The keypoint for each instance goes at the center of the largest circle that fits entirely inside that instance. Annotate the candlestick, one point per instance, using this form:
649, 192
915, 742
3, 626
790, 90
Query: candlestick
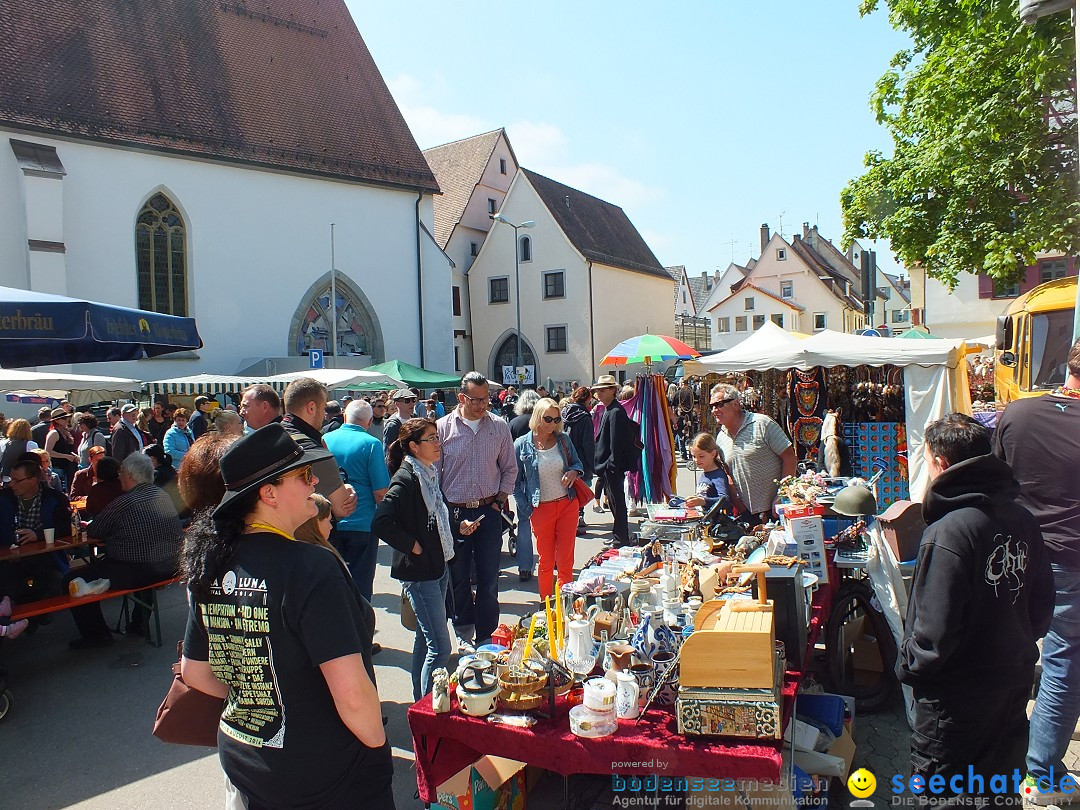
529, 638
550, 626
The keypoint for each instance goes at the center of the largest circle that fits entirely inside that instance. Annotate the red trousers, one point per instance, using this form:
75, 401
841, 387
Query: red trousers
554, 526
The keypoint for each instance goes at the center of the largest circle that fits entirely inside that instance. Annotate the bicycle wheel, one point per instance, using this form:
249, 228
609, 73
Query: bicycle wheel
848, 644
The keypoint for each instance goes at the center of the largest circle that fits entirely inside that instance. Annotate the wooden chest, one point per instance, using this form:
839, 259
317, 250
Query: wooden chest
730, 648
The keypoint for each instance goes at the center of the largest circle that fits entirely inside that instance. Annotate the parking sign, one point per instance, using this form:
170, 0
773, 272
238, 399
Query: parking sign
316, 358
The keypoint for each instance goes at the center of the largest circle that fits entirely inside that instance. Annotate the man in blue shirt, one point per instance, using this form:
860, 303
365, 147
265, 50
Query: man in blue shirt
360, 455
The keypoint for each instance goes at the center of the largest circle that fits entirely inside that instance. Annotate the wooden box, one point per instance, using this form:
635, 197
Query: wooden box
758, 720
732, 648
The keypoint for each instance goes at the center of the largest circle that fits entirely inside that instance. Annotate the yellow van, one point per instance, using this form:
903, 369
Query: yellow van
1033, 340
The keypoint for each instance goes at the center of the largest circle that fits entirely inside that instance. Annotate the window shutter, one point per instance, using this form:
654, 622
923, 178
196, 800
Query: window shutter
986, 286
1030, 280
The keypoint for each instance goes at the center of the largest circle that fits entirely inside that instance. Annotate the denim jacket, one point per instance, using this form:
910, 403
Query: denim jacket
527, 487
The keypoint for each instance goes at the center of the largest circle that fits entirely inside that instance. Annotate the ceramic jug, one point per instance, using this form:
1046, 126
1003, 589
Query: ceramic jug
645, 676
581, 649
626, 697
665, 662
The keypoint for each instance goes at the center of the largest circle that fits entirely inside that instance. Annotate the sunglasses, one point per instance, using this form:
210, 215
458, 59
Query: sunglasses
405, 399
305, 474
552, 419
721, 403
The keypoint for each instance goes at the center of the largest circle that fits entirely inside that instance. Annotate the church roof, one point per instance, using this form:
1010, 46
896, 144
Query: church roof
599, 230
458, 166
286, 84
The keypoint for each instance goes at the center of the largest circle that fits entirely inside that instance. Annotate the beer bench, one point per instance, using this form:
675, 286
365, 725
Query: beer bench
57, 603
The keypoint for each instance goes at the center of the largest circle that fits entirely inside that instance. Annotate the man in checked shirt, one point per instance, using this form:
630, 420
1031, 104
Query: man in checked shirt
477, 470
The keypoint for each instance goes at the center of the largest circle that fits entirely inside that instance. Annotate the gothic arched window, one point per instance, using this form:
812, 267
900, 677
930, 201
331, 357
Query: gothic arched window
161, 257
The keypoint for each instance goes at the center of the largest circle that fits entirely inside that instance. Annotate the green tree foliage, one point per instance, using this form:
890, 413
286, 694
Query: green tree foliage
981, 177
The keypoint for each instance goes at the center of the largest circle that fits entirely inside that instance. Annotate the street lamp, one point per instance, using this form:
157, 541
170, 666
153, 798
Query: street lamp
517, 280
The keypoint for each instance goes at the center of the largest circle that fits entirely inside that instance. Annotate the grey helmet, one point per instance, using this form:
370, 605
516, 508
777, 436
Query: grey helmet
855, 501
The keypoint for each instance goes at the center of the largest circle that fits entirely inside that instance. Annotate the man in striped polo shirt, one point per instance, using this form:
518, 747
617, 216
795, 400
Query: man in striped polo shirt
756, 449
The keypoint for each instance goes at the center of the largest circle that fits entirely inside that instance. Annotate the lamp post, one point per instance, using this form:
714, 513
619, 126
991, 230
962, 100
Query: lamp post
517, 282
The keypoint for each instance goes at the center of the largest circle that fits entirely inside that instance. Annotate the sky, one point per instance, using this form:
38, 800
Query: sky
701, 119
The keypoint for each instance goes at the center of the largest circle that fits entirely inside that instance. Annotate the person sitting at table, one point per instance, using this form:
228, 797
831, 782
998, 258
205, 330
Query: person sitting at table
713, 485
106, 489
86, 477
142, 534
17, 443
179, 438
49, 478
26, 509
165, 477
548, 464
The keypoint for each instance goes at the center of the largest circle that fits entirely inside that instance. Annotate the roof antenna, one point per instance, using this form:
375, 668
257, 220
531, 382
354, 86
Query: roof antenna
567, 200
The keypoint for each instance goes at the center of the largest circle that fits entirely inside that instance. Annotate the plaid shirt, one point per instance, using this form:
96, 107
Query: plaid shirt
474, 466
28, 514
141, 526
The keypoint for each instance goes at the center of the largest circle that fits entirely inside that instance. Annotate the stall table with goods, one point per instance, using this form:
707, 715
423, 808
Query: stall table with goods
681, 658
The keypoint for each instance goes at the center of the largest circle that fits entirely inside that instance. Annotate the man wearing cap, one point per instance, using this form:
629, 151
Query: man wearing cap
260, 405
477, 470
403, 401
756, 449
126, 438
615, 454
305, 409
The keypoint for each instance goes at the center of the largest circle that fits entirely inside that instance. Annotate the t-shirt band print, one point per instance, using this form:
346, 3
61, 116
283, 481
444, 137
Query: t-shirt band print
241, 653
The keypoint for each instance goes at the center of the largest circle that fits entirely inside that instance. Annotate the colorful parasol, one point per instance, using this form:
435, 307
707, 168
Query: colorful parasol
648, 349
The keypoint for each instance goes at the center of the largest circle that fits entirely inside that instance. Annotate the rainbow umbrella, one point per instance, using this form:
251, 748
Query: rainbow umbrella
648, 349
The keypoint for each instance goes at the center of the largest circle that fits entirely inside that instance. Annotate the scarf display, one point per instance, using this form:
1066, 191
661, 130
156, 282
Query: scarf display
438, 514
649, 407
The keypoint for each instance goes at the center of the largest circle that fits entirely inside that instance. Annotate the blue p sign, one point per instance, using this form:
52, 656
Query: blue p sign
316, 358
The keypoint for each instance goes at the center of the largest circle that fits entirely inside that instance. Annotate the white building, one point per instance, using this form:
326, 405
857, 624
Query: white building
587, 282
191, 159
474, 175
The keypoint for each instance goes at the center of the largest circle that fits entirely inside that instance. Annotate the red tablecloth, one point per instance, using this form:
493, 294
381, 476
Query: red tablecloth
446, 743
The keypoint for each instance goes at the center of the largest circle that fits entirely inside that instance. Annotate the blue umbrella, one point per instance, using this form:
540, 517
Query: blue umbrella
38, 329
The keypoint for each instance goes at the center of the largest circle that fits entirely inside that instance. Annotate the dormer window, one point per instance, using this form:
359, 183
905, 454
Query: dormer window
781, 254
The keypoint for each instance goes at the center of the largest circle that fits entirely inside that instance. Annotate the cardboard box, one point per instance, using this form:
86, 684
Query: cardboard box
490, 783
802, 735
816, 763
866, 654
844, 748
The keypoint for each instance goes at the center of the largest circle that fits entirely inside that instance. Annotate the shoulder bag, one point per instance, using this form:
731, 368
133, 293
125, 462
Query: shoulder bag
187, 716
582, 491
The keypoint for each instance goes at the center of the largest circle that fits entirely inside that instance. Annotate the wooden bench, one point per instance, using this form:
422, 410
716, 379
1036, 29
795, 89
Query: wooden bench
55, 604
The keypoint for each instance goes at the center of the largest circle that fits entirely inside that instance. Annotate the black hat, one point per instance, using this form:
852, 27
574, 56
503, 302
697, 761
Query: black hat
263, 456
156, 451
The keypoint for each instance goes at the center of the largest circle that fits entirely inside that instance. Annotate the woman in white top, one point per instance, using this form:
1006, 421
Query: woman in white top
548, 464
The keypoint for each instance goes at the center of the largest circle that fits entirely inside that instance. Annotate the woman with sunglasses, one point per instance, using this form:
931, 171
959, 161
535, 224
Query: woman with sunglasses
278, 629
413, 519
548, 464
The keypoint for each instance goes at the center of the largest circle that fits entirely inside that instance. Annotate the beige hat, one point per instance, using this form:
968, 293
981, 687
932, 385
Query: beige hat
605, 381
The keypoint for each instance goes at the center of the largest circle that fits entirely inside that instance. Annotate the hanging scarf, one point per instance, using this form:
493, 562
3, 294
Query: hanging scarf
438, 514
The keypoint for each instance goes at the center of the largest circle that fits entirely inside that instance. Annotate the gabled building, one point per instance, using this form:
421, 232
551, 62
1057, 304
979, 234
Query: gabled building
795, 284
690, 293
190, 157
474, 175
585, 280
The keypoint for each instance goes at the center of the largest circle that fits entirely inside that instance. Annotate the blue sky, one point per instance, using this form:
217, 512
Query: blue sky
701, 119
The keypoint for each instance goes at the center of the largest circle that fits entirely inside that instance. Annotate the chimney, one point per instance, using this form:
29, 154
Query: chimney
764, 236
705, 282
806, 231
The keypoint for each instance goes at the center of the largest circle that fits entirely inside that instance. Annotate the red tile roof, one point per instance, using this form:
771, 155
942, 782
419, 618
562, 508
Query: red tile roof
459, 167
286, 84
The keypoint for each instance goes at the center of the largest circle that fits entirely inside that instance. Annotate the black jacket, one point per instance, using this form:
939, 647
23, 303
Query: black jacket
401, 519
519, 425
617, 448
983, 592
578, 426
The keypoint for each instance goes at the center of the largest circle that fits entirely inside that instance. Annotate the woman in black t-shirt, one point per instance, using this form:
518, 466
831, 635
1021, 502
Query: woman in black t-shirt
278, 628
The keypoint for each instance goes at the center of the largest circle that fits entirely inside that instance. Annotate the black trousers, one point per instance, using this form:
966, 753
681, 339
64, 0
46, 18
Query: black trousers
615, 483
984, 729
122, 576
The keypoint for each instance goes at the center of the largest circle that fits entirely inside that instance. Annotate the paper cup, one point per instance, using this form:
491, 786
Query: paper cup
50, 536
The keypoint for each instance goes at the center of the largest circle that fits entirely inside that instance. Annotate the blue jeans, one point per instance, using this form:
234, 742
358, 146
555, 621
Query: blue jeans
480, 549
359, 550
524, 536
431, 646
1058, 704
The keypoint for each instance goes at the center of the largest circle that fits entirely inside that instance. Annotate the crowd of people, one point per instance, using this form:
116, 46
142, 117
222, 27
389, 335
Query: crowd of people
438, 483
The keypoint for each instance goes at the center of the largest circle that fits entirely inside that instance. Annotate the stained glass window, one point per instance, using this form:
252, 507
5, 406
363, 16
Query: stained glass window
161, 257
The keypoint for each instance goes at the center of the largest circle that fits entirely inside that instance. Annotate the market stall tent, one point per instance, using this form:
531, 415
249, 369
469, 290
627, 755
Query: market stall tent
79, 389
753, 353
935, 375
414, 376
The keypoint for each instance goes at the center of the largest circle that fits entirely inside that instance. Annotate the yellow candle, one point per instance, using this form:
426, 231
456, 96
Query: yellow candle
558, 617
550, 626
528, 640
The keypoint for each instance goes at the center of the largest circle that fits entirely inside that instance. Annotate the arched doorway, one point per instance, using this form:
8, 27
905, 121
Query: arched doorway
358, 330
503, 360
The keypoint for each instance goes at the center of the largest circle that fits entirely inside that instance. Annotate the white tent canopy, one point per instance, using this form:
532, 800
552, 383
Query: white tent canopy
202, 384
334, 378
935, 374
222, 383
79, 389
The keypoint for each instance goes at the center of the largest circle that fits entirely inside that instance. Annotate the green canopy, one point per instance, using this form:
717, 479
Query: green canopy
915, 333
412, 376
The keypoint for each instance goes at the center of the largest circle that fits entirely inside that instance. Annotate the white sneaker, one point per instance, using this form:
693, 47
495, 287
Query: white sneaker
1054, 798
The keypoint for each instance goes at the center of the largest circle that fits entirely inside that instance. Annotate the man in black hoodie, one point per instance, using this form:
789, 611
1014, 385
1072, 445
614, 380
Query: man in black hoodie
981, 597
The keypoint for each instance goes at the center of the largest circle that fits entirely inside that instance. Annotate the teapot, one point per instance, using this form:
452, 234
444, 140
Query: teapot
478, 689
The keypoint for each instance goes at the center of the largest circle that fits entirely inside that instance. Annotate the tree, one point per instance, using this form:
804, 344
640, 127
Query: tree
982, 113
